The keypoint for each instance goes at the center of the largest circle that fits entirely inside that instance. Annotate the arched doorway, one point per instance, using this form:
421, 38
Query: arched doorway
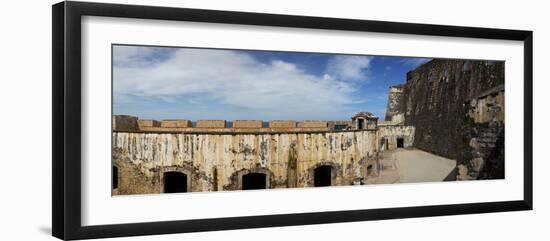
322, 176
115, 177
400, 142
175, 182
360, 124
253, 181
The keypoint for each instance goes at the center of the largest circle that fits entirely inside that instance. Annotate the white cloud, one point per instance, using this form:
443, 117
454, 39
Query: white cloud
138, 56
349, 68
236, 79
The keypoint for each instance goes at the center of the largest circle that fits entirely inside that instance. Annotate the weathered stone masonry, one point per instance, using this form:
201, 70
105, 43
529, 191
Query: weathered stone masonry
438, 99
486, 111
217, 159
201, 154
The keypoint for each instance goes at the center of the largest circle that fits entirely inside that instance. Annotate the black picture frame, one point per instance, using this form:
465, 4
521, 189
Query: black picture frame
66, 158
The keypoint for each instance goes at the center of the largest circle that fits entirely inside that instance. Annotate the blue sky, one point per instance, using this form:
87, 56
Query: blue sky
190, 83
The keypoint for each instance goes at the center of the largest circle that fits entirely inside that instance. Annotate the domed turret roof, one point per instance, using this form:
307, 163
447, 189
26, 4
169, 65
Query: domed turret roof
365, 114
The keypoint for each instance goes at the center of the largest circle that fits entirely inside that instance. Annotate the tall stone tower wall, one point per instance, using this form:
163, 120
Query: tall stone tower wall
395, 110
436, 101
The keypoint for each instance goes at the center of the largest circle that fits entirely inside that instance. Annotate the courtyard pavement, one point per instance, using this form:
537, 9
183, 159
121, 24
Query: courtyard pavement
413, 165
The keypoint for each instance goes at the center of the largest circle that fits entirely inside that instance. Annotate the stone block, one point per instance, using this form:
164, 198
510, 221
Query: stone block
125, 123
211, 124
247, 124
282, 124
313, 124
148, 123
176, 124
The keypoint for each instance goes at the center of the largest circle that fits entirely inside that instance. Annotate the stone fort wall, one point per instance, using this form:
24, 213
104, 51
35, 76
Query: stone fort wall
389, 136
457, 108
216, 161
435, 97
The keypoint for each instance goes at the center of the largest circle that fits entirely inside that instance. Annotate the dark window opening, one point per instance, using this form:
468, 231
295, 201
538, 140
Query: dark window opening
115, 177
400, 143
322, 176
252, 181
360, 123
175, 182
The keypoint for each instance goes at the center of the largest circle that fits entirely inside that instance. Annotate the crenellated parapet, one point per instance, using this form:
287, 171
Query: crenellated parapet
363, 121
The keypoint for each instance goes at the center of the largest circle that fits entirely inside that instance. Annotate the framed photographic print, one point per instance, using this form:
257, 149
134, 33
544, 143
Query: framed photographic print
169, 120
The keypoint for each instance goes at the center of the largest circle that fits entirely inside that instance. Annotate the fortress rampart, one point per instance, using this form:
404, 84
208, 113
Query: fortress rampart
286, 153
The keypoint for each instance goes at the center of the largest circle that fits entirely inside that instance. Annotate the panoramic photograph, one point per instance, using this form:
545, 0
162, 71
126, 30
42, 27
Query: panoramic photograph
207, 120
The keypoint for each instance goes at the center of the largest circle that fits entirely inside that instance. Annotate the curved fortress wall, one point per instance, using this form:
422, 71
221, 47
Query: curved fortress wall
217, 161
457, 108
435, 97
